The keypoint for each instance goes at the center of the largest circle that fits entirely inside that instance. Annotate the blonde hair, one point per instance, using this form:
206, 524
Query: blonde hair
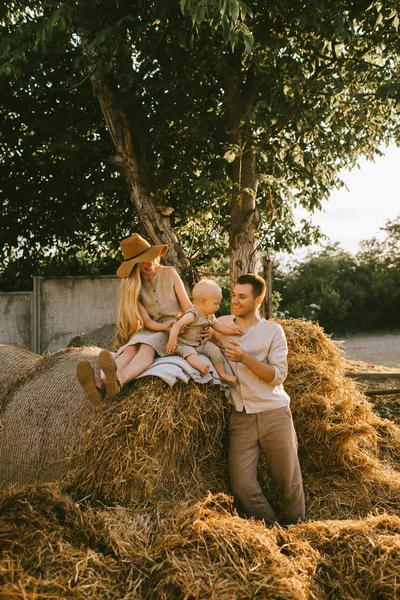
203, 288
129, 320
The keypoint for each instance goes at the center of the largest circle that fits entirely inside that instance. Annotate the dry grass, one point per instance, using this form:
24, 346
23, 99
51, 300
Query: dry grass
157, 442
153, 442
352, 559
51, 549
159, 450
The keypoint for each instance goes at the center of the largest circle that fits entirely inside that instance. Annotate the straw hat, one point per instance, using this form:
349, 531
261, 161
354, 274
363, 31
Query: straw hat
135, 250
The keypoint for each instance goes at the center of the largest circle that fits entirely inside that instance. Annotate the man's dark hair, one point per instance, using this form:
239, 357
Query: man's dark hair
257, 283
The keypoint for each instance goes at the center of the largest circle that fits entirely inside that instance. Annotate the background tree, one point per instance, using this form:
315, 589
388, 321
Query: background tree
345, 293
222, 116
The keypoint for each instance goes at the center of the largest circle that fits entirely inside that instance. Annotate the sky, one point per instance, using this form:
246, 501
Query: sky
373, 196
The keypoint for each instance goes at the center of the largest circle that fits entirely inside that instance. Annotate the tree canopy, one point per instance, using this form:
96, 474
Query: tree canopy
204, 121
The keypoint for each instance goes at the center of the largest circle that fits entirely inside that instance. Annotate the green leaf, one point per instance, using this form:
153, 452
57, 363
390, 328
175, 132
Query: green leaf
226, 29
248, 43
234, 10
199, 13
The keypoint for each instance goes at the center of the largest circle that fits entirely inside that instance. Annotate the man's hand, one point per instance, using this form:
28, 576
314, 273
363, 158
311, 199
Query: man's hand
204, 334
234, 351
170, 347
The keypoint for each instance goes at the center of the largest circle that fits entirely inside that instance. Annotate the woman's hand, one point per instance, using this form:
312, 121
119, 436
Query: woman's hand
168, 325
234, 351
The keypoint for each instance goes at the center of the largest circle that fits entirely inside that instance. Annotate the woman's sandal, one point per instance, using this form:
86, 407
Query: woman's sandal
85, 375
109, 368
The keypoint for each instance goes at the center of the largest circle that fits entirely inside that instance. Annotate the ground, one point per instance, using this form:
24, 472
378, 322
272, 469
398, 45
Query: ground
377, 349
380, 353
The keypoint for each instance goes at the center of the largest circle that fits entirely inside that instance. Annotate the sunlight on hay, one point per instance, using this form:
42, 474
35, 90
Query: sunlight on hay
152, 442
343, 445
352, 559
208, 551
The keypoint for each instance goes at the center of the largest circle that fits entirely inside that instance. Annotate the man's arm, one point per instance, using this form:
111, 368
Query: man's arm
275, 371
235, 353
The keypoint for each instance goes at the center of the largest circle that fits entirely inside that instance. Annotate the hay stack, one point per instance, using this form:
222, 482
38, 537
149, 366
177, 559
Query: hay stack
41, 416
357, 559
154, 442
15, 363
349, 456
51, 549
208, 551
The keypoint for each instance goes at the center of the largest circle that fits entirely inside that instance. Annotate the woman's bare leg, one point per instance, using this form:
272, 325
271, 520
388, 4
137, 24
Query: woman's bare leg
126, 356
139, 363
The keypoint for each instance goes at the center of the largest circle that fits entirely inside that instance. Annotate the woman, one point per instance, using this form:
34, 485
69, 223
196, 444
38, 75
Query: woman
148, 292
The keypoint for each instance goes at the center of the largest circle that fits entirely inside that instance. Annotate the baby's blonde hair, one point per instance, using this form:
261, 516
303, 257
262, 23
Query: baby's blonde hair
129, 320
203, 288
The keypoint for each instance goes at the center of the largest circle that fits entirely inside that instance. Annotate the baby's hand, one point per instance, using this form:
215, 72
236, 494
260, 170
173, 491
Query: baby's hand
170, 347
238, 331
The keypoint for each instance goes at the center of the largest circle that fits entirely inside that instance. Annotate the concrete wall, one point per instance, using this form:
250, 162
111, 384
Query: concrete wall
57, 310
70, 306
16, 322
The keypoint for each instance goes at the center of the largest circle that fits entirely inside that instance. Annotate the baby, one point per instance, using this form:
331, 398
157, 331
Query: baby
184, 336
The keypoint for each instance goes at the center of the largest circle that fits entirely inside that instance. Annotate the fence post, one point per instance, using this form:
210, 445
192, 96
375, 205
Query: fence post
267, 303
37, 306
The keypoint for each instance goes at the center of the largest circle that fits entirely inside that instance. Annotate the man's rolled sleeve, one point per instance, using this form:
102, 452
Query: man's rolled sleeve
277, 357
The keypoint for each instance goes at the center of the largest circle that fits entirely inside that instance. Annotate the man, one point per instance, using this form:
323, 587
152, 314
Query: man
260, 418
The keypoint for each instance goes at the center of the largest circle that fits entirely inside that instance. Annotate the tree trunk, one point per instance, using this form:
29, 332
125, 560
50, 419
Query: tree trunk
156, 225
245, 217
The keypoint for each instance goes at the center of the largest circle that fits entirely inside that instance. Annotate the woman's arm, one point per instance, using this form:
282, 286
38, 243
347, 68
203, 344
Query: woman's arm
148, 321
176, 329
180, 292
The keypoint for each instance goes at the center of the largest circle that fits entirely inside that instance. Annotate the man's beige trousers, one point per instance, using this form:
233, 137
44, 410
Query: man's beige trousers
271, 431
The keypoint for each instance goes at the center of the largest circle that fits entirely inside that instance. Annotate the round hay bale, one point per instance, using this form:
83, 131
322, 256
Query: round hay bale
101, 337
41, 417
15, 363
51, 549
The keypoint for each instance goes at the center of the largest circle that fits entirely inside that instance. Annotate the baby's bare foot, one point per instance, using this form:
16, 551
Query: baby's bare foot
228, 378
204, 369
